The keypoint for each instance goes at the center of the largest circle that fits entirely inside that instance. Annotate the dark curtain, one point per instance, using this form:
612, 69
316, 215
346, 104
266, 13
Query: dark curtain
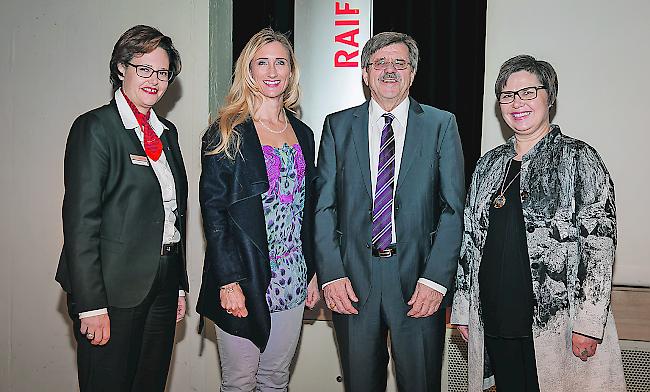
451, 38
251, 16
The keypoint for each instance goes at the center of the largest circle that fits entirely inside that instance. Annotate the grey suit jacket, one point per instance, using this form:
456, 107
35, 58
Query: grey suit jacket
428, 203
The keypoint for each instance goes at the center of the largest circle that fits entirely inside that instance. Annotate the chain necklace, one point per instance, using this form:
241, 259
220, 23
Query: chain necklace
500, 200
286, 124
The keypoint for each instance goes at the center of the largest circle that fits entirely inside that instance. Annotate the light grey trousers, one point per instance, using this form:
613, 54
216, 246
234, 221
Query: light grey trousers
245, 369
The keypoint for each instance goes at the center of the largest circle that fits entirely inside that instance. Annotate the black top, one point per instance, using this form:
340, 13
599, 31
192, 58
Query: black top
504, 277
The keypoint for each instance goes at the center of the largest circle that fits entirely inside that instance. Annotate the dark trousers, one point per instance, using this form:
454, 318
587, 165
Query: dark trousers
513, 363
137, 356
416, 344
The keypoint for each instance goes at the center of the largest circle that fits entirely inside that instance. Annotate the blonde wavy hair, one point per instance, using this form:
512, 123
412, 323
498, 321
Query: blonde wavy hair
244, 95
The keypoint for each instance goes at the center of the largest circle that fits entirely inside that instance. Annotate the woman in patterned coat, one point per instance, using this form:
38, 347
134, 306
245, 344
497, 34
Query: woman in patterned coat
534, 279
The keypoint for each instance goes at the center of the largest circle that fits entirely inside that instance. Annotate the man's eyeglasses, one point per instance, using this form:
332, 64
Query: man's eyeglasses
525, 94
382, 64
144, 71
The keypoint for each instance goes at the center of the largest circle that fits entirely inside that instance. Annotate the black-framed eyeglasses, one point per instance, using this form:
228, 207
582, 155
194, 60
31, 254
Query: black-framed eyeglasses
382, 64
145, 71
525, 94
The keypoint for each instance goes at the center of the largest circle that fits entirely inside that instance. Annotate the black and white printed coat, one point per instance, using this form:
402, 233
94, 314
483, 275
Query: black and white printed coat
567, 197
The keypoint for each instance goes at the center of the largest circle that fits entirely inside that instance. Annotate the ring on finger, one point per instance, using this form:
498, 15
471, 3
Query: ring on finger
90, 335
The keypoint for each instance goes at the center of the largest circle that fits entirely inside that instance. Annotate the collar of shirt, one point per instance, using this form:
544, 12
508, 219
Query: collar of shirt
375, 113
129, 120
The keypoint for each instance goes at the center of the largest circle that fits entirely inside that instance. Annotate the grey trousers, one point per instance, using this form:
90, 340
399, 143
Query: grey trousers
245, 369
415, 343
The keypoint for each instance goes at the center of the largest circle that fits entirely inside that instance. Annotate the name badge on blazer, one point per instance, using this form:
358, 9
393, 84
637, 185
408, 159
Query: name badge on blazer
139, 160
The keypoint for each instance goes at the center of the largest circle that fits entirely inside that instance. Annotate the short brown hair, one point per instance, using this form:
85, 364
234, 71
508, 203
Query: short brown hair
381, 40
541, 69
139, 40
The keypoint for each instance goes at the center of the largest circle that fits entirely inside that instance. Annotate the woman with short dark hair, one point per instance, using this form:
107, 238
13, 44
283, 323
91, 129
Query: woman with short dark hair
535, 275
123, 259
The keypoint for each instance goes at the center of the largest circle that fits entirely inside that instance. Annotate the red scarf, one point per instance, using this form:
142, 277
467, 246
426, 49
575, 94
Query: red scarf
152, 144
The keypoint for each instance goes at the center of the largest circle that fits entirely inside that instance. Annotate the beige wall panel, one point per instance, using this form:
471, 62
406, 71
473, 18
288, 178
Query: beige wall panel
54, 66
599, 50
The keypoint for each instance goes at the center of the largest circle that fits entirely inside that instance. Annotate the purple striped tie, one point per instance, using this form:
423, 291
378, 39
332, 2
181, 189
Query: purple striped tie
382, 225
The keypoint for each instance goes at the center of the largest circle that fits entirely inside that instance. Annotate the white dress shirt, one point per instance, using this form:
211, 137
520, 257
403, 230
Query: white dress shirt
375, 127
163, 173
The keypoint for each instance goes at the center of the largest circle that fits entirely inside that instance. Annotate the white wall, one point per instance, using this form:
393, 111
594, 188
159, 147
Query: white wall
54, 66
600, 50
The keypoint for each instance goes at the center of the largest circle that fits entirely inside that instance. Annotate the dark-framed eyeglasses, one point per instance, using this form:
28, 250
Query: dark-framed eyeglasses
145, 71
382, 64
525, 94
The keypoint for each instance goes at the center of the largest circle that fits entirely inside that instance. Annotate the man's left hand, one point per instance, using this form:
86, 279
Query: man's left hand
584, 346
180, 310
424, 302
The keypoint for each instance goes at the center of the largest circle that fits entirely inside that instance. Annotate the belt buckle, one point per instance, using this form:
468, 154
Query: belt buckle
385, 252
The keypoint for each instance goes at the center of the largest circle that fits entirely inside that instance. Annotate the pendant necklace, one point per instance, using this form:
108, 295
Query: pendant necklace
286, 124
500, 200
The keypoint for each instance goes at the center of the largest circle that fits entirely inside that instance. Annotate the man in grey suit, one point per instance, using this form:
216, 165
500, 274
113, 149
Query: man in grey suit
389, 224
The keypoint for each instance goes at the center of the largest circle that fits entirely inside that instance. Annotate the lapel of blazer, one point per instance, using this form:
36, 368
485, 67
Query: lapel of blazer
415, 131
136, 144
360, 137
175, 161
253, 179
250, 173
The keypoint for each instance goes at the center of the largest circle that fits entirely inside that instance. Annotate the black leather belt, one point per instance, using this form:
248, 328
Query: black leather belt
169, 249
388, 252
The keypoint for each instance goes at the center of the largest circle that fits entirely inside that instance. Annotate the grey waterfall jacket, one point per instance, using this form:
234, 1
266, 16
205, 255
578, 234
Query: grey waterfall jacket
567, 198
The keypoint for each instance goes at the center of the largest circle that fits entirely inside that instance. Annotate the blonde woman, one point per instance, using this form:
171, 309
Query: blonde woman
256, 195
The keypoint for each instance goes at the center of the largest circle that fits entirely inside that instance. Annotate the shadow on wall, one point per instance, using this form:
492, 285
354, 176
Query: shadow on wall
62, 308
168, 101
310, 317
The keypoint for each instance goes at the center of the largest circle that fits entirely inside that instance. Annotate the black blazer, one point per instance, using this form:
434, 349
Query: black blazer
235, 228
113, 213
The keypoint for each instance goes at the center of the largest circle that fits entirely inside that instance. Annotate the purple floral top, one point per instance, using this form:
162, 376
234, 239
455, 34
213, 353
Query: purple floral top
283, 206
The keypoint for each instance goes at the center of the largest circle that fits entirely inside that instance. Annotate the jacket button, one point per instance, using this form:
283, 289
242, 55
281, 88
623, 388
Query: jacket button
524, 195
534, 265
367, 245
530, 229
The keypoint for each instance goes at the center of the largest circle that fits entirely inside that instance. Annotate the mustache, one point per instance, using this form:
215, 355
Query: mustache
391, 76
